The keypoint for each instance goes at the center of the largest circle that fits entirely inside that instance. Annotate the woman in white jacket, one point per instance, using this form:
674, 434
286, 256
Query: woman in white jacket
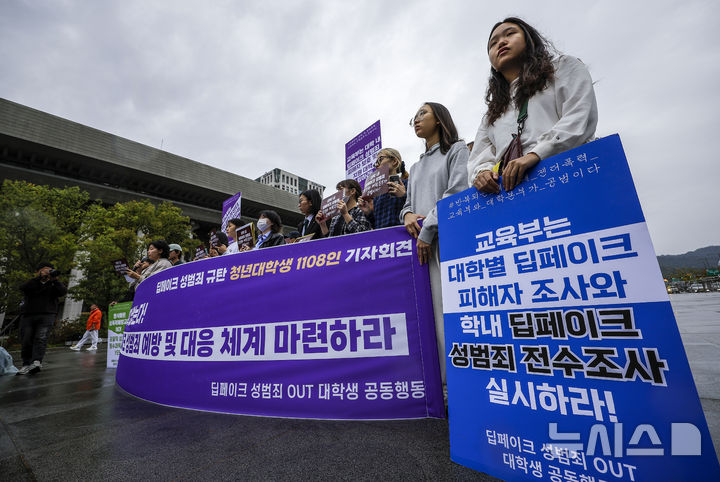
558, 97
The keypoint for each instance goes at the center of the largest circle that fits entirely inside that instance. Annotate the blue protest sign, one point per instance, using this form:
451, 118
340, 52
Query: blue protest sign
564, 360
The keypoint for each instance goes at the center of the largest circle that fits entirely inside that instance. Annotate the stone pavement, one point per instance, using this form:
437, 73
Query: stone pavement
70, 422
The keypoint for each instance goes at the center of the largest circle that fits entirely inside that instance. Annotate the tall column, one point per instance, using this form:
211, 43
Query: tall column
73, 307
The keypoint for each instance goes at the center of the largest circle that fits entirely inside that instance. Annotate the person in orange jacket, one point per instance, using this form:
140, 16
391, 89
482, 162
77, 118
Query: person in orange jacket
93, 325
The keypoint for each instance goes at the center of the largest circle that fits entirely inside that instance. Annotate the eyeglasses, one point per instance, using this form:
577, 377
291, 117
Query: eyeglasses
418, 116
380, 159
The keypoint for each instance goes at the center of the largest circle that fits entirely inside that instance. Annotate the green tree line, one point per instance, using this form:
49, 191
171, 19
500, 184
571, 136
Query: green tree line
67, 228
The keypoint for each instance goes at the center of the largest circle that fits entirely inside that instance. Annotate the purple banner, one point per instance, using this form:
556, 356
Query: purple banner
360, 153
338, 328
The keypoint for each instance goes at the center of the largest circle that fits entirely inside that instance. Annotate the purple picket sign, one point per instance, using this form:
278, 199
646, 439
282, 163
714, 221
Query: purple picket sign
339, 328
232, 208
360, 153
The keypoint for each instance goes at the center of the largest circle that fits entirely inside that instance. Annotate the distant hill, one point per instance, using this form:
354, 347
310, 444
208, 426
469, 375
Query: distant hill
699, 259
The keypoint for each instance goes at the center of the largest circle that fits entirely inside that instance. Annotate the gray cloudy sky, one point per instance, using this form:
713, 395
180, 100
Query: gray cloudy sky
248, 86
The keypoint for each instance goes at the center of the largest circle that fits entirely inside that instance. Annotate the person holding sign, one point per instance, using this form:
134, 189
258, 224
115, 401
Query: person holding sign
384, 210
232, 226
537, 105
440, 172
309, 204
351, 219
218, 245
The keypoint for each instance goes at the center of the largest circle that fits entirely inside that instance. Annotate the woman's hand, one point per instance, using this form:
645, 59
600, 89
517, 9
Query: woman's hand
411, 224
397, 189
514, 171
321, 219
244, 247
423, 251
343, 208
366, 206
132, 274
487, 181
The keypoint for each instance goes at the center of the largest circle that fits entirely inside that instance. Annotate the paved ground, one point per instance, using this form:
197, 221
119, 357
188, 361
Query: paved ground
71, 423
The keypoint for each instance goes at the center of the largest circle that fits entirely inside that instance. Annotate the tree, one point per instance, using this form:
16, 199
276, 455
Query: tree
123, 231
66, 228
37, 223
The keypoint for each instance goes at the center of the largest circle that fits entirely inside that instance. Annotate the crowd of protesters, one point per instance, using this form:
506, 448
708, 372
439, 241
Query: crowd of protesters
539, 103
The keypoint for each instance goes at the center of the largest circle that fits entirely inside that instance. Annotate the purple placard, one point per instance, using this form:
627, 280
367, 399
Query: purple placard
244, 235
329, 206
200, 252
360, 153
339, 328
377, 182
231, 209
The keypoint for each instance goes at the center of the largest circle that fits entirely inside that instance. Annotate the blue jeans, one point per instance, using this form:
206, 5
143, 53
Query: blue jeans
34, 331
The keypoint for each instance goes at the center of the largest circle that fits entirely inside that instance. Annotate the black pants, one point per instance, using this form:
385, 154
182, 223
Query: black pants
34, 331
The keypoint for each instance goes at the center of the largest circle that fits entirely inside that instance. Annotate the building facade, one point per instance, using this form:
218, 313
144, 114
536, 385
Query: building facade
289, 182
41, 148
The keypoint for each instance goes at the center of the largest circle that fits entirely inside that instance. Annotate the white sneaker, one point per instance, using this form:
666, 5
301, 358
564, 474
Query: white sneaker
75, 347
24, 370
92, 348
36, 366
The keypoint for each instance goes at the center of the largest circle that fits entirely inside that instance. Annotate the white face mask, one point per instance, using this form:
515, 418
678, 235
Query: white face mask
263, 224
346, 196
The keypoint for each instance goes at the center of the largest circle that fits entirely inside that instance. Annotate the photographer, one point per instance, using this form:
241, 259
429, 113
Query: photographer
40, 307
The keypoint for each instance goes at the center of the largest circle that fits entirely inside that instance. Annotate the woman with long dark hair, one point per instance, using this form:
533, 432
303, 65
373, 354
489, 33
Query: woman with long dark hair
547, 101
440, 172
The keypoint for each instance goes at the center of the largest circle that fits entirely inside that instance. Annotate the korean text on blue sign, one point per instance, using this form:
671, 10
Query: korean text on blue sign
564, 360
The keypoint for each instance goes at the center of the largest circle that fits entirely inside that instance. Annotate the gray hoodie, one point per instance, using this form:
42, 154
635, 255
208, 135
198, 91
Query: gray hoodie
433, 177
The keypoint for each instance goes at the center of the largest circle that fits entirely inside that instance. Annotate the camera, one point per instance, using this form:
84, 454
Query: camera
54, 273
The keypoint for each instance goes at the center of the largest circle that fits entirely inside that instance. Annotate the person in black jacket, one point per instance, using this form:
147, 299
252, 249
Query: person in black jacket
309, 204
40, 306
269, 226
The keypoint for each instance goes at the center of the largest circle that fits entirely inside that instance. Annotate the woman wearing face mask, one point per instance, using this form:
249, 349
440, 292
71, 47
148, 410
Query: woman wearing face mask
269, 226
384, 210
549, 102
309, 204
351, 219
440, 172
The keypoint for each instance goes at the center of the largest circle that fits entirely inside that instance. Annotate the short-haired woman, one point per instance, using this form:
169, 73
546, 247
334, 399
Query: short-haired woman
232, 226
269, 226
158, 251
